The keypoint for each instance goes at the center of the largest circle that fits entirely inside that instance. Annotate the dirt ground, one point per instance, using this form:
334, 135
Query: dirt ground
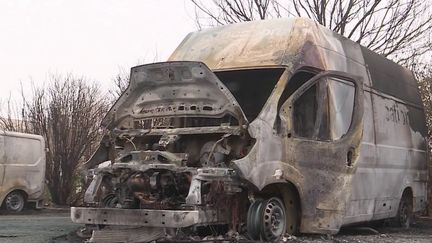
50, 225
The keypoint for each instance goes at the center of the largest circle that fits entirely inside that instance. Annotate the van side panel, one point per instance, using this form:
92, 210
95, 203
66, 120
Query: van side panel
23, 164
361, 205
401, 155
2, 158
393, 152
401, 131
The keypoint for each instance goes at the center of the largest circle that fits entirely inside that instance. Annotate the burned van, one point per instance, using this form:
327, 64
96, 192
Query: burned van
22, 170
260, 128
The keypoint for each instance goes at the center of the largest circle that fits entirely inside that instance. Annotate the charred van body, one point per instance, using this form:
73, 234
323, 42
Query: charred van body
260, 128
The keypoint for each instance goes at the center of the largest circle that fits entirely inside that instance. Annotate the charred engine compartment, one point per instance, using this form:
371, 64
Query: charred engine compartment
153, 189
172, 141
169, 171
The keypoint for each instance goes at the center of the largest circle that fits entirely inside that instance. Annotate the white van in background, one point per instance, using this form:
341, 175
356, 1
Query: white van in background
22, 169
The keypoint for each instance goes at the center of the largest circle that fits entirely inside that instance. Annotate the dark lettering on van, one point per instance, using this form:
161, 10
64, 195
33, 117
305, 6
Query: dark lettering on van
396, 115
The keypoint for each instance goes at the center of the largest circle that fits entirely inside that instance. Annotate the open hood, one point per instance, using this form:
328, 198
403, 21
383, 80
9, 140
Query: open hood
167, 89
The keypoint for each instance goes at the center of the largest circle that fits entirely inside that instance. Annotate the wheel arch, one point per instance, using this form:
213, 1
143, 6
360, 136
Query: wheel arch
408, 192
20, 190
291, 197
404, 213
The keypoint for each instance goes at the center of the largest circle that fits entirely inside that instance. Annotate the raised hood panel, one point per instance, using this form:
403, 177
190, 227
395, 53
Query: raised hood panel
173, 89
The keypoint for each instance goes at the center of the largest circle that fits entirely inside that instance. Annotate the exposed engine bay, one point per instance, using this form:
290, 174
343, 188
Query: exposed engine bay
170, 171
166, 160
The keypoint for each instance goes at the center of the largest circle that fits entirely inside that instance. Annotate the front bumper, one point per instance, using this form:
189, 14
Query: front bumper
147, 217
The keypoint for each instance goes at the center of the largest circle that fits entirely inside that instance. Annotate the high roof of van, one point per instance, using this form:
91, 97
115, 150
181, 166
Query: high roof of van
21, 135
294, 42
260, 43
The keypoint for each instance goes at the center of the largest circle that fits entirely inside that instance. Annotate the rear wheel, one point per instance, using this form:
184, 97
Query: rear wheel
405, 212
14, 202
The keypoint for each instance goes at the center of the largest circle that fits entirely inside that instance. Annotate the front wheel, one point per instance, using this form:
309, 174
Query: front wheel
267, 220
14, 202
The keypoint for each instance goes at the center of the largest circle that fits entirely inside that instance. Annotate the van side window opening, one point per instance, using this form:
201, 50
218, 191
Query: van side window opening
305, 112
337, 98
251, 87
297, 80
15, 147
341, 104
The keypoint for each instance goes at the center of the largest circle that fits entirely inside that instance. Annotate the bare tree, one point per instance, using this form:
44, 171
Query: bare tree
397, 29
12, 119
67, 114
423, 73
121, 82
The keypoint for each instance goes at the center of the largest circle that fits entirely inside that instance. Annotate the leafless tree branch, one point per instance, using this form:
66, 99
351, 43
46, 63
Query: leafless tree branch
67, 113
387, 27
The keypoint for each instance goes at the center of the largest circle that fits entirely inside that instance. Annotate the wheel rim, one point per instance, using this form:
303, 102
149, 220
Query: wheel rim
14, 202
266, 220
274, 220
404, 214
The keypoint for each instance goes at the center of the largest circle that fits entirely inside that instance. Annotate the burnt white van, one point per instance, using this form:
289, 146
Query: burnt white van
261, 128
22, 170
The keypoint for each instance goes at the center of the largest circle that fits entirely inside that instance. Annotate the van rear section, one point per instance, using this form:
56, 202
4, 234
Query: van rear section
22, 169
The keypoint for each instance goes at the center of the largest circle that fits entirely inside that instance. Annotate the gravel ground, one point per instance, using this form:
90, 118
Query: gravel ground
35, 226
50, 225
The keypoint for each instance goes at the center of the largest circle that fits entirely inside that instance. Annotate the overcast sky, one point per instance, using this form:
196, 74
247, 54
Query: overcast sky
91, 38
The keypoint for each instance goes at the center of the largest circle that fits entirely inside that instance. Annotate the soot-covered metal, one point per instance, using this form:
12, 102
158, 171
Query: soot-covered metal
252, 131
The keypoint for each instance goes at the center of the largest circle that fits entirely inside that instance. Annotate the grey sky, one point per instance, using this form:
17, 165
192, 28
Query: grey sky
92, 38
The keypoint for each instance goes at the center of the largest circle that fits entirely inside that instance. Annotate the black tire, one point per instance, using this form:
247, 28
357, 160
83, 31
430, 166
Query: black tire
15, 202
405, 212
253, 219
267, 220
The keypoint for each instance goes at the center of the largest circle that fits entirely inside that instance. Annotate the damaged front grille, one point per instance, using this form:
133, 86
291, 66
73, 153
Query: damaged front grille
181, 122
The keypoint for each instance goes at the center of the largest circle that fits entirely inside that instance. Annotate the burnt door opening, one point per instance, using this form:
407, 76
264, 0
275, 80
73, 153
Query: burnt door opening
324, 111
323, 122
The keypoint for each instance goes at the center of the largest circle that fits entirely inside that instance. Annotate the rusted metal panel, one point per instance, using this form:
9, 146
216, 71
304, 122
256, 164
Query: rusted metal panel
149, 218
168, 89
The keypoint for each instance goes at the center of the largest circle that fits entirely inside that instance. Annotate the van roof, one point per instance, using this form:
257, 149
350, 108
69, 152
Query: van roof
260, 43
21, 135
289, 41
391, 78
